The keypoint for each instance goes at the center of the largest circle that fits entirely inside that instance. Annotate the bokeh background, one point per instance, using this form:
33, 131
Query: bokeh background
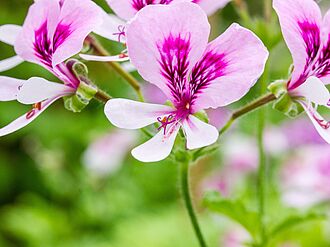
68, 179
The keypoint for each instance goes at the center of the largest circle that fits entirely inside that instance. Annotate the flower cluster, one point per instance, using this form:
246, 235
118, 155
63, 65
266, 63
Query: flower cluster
167, 41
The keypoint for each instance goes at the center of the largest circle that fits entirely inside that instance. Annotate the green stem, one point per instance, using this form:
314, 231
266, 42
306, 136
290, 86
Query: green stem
184, 173
262, 176
102, 96
263, 100
101, 51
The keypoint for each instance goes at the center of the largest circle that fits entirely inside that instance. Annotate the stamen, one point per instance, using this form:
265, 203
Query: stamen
323, 123
36, 107
121, 32
165, 122
123, 55
328, 104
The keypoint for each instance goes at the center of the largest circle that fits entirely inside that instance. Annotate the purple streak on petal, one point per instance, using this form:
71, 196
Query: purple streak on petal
45, 46
210, 67
322, 67
140, 4
310, 32
174, 63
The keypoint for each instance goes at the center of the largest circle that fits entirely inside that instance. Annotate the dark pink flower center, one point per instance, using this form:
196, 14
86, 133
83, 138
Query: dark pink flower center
140, 4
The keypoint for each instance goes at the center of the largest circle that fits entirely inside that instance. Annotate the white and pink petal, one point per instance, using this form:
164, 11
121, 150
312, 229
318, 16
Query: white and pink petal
9, 33
230, 66
10, 63
164, 42
9, 88
129, 114
198, 133
37, 89
157, 148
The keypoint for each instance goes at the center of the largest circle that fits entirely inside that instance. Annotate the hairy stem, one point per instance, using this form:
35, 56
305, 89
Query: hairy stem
184, 174
102, 96
263, 100
101, 51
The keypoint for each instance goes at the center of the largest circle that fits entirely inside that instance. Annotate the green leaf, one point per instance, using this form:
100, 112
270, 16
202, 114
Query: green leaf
234, 210
294, 220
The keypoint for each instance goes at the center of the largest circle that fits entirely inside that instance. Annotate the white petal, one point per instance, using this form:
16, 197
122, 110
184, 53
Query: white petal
37, 90
198, 133
157, 148
323, 132
111, 27
9, 88
314, 90
23, 120
10, 63
117, 58
9, 33
129, 114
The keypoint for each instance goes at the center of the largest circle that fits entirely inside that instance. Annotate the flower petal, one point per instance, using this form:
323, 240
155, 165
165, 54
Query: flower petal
314, 90
37, 90
54, 31
211, 6
112, 28
10, 63
9, 88
123, 8
300, 22
198, 133
321, 125
165, 41
157, 148
24, 120
129, 114
9, 33
118, 58
230, 66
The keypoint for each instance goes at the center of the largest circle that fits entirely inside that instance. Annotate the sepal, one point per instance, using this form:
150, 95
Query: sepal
288, 106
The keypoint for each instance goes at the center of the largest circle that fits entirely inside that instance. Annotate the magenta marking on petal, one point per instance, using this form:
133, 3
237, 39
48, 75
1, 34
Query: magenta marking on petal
328, 104
310, 33
322, 67
209, 68
121, 32
174, 51
323, 123
140, 4
165, 121
45, 46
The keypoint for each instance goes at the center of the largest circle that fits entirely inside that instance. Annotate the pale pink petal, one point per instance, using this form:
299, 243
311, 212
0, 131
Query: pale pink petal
322, 126
27, 118
118, 58
78, 18
9, 88
54, 31
198, 133
9, 33
314, 90
112, 28
123, 8
41, 20
323, 64
300, 22
38, 89
165, 41
157, 148
10, 63
230, 66
211, 6
129, 114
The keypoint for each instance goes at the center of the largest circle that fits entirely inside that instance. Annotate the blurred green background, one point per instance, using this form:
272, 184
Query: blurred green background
49, 198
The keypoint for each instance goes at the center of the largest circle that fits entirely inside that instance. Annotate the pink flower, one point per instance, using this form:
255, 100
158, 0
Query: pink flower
168, 44
305, 177
114, 28
107, 153
308, 38
53, 31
